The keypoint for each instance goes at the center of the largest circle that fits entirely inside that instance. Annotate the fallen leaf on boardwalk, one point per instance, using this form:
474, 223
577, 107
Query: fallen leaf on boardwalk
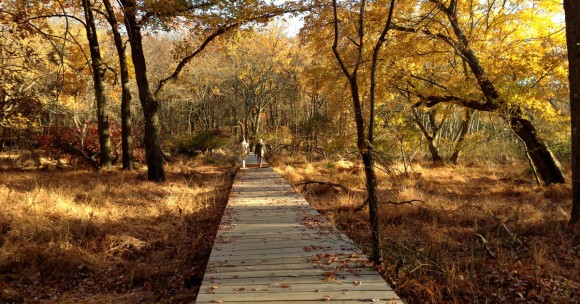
213, 288
327, 298
356, 283
330, 278
217, 301
284, 285
260, 289
375, 300
240, 289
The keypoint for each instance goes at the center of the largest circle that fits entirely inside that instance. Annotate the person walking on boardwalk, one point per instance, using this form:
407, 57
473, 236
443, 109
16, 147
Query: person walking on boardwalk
244, 151
260, 151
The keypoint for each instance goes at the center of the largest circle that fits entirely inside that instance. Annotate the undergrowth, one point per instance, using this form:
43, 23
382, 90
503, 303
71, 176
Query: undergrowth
468, 234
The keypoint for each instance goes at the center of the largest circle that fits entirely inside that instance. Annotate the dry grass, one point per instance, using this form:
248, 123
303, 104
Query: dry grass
432, 250
109, 237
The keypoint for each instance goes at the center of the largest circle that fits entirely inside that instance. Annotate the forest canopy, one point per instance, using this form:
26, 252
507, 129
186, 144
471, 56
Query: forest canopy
95, 81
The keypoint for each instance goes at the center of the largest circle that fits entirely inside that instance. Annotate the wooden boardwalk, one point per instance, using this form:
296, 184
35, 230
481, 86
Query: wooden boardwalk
272, 247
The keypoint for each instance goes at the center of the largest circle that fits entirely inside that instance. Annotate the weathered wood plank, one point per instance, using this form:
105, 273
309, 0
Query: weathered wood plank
320, 282
284, 286
289, 266
314, 301
272, 247
367, 295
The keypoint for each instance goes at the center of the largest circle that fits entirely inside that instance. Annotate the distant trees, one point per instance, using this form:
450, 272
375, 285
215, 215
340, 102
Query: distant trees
224, 19
454, 30
261, 74
20, 103
443, 60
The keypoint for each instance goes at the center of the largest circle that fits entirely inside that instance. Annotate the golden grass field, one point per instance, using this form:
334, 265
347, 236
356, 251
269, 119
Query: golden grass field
434, 250
70, 236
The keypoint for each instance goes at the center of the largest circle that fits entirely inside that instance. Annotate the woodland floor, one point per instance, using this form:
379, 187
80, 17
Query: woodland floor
481, 233
69, 236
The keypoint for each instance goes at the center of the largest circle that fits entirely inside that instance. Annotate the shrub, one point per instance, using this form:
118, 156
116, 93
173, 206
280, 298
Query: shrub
78, 144
204, 141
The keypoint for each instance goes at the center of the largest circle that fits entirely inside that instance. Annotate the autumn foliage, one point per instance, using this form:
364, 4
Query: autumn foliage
462, 89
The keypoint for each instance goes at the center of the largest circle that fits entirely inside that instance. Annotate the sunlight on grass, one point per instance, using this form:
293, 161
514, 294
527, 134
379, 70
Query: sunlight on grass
82, 224
431, 247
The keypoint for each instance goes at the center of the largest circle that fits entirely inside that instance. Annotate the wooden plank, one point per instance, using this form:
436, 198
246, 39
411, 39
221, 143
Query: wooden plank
313, 301
272, 247
320, 260
273, 267
367, 295
261, 245
283, 286
284, 273
290, 253
319, 281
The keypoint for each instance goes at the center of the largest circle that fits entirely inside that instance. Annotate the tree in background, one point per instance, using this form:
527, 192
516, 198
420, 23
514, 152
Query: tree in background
452, 28
572, 9
98, 71
261, 73
127, 139
20, 74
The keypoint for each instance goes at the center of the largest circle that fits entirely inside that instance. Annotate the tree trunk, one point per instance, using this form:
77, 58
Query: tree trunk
153, 154
571, 8
454, 159
542, 159
430, 136
2, 141
126, 137
366, 153
371, 185
257, 119
99, 86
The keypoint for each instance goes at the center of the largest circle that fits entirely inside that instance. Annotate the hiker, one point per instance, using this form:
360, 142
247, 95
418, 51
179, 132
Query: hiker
244, 151
260, 151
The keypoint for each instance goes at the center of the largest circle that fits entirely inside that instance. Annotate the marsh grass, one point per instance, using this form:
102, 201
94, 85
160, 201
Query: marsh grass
431, 249
70, 236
